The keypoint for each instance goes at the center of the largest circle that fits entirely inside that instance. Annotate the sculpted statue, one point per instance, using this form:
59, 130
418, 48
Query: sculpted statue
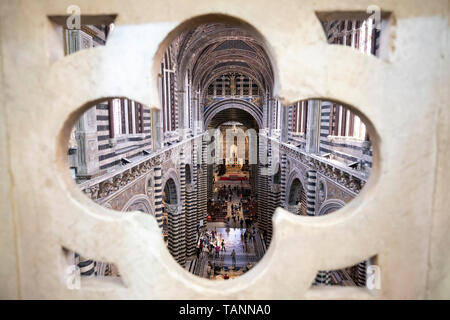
105, 189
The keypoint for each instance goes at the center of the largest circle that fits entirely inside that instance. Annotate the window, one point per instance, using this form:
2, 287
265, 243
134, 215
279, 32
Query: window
127, 117
345, 123
299, 117
234, 84
358, 34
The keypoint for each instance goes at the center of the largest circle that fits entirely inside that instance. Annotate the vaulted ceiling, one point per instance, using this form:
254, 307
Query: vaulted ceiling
213, 49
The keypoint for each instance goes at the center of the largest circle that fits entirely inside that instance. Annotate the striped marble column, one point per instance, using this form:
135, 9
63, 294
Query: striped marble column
323, 278
87, 267
181, 227
158, 195
290, 120
273, 203
283, 168
195, 180
202, 189
262, 190
311, 192
176, 237
273, 193
259, 183
361, 274
191, 219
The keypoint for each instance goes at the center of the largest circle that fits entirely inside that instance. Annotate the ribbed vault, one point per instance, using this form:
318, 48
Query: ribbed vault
214, 46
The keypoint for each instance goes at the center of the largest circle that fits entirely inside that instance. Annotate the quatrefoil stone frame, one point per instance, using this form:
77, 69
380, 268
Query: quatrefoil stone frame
386, 219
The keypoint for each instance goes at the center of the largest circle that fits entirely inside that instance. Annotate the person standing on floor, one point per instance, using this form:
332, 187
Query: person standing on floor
233, 258
217, 251
223, 245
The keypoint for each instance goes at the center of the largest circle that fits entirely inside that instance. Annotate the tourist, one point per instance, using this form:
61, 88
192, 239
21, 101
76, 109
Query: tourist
223, 245
217, 251
233, 258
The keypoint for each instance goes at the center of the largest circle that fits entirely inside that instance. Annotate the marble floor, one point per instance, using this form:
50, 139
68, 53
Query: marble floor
247, 253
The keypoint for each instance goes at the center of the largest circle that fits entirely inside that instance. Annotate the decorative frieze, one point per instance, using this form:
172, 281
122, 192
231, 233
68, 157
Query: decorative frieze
349, 179
106, 185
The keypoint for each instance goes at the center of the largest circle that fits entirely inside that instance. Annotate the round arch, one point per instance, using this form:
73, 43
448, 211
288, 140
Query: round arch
138, 202
170, 195
295, 174
297, 197
221, 105
171, 177
330, 206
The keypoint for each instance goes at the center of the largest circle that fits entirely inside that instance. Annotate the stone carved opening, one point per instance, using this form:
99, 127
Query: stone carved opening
82, 272
173, 117
371, 32
219, 69
67, 37
110, 156
365, 274
330, 151
110, 143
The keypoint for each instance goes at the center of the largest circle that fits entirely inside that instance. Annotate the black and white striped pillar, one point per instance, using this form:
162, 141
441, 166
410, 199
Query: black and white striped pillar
311, 192
158, 195
260, 185
202, 190
87, 267
323, 278
263, 181
176, 236
283, 168
361, 274
178, 228
191, 204
191, 220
